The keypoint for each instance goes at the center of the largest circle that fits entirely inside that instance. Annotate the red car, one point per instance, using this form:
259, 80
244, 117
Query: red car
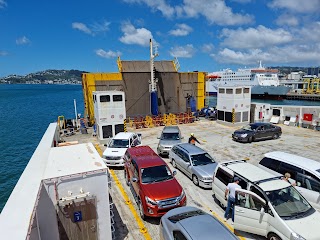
152, 183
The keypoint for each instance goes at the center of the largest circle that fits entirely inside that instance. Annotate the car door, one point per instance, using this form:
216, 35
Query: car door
186, 164
249, 214
261, 133
222, 178
177, 157
309, 187
135, 175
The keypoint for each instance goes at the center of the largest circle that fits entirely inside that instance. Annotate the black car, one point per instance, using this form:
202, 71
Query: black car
257, 131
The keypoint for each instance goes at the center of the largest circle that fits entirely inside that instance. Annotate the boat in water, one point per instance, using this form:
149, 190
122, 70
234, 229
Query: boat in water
264, 82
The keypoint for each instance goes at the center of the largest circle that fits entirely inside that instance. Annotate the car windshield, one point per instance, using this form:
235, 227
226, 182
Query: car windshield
155, 174
119, 143
170, 136
249, 127
288, 202
201, 159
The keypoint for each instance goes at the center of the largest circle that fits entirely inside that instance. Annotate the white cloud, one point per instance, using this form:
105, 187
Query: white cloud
93, 29
3, 3
159, 5
132, 35
182, 51
296, 5
207, 48
107, 54
181, 30
254, 37
3, 53
286, 19
23, 41
215, 11
82, 27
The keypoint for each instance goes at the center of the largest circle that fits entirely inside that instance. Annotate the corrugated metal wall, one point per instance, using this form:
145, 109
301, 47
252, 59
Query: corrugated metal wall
173, 88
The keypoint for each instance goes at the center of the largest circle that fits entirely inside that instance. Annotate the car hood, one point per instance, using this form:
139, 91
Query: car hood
206, 170
162, 190
308, 227
114, 152
169, 143
242, 131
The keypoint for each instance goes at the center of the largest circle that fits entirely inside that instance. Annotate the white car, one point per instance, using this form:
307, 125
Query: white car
116, 148
266, 205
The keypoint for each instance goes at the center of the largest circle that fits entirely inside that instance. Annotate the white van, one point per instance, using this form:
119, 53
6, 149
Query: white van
118, 145
267, 205
305, 172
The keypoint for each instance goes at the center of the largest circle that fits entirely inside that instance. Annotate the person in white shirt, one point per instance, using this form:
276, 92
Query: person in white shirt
231, 191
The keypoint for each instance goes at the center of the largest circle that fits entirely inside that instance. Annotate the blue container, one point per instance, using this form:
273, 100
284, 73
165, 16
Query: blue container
154, 103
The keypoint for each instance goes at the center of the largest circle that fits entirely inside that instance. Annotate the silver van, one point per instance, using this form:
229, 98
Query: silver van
304, 172
170, 136
266, 205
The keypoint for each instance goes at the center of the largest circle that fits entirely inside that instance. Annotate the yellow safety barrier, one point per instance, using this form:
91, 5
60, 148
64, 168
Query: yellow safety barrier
125, 125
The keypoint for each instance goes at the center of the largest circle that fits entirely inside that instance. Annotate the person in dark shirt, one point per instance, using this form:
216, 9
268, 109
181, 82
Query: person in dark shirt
193, 139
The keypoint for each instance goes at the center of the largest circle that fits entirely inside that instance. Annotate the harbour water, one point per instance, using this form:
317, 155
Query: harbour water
27, 110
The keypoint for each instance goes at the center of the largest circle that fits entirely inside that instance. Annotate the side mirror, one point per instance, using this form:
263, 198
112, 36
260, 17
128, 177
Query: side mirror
134, 179
262, 211
174, 173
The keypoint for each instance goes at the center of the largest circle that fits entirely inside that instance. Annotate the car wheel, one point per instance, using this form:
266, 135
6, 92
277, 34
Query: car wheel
250, 139
275, 136
173, 162
273, 236
141, 210
195, 180
126, 177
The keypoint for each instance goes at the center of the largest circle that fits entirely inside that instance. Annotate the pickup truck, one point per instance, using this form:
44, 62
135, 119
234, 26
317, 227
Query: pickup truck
152, 183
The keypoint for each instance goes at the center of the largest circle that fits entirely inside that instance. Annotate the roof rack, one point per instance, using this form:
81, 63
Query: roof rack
267, 179
233, 162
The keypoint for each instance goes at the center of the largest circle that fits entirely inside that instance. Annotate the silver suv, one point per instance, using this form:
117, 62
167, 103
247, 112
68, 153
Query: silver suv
192, 223
170, 136
195, 162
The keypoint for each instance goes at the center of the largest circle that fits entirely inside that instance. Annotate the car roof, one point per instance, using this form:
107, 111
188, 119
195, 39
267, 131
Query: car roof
141, 151
295, 160
170, 129
123, 135
190, 148
274, 184
248, 171
198, 224
149, 161
260, 124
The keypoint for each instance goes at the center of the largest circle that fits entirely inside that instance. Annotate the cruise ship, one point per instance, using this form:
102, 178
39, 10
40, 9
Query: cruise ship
264, 82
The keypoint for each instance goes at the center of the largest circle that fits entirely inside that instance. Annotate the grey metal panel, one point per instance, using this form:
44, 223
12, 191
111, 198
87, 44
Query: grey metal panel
144, 66
173, 88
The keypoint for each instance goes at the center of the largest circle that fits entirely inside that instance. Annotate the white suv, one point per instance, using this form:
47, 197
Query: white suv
116, 148
304, 172
266, 205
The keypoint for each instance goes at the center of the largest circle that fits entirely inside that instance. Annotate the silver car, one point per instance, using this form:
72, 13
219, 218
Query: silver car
195, 162
192, 223
170, 136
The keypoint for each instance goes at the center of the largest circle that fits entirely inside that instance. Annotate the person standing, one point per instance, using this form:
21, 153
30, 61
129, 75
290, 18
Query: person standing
230, 196
193, 139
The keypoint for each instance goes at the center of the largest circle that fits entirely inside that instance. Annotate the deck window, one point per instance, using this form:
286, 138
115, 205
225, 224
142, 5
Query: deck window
238, 90
246, 90
229, 91
117, 98
105, 98
222, 90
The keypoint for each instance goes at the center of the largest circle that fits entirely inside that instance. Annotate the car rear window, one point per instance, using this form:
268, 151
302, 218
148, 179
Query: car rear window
181, 216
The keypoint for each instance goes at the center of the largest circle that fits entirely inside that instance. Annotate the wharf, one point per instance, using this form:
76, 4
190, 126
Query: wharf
303, 96
216, 139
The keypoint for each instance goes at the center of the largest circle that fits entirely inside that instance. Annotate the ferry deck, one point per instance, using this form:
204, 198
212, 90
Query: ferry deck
216, 139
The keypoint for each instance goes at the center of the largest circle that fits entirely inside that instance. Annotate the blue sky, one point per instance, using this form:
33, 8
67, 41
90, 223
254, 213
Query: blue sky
205, 35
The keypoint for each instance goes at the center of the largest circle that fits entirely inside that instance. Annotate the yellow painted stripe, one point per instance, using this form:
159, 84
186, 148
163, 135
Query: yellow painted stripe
141, 226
